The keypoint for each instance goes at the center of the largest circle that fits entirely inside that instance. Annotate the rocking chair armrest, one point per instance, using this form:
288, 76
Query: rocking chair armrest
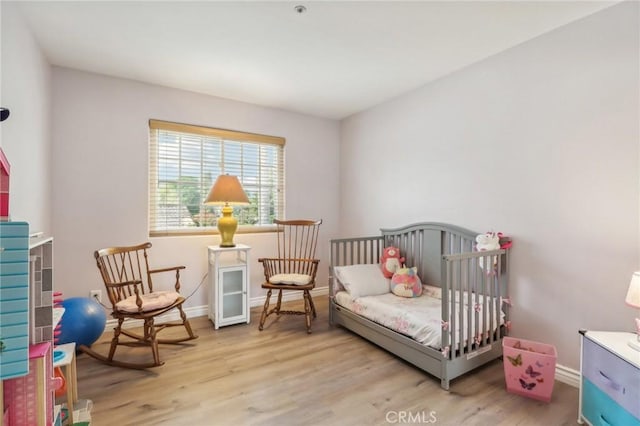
174, 268
114, 288
123, 284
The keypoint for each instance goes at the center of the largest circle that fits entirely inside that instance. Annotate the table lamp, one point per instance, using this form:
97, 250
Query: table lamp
227, 191
633, 300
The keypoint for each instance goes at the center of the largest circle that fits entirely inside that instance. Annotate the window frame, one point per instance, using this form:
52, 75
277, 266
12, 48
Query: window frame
223, 135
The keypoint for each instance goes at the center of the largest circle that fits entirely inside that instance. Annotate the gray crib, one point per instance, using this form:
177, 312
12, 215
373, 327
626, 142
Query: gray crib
445, 257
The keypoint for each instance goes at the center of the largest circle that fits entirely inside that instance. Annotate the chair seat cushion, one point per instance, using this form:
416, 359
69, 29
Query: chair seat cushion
291, 279
150, 301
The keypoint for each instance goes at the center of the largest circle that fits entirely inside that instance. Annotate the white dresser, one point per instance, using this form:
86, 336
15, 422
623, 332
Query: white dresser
610, 379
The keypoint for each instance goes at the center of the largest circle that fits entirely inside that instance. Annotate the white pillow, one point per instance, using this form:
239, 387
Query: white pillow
362, 280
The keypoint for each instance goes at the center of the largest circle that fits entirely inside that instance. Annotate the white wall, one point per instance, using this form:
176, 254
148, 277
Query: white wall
100, 160
540, 142
25, 136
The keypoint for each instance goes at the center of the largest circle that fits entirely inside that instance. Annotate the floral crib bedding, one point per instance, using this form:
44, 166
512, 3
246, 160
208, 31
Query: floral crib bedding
420, 318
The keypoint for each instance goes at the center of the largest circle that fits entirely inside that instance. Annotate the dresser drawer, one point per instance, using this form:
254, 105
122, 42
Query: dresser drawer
600, 410
614, 376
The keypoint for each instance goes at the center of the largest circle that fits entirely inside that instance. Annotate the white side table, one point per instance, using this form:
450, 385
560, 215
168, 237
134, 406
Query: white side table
229, 285
68, 362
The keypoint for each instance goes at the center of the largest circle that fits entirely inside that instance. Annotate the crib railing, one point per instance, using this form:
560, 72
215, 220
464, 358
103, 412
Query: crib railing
473, 293
353, 251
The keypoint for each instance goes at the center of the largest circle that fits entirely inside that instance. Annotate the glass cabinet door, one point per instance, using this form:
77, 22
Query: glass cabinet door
232, 292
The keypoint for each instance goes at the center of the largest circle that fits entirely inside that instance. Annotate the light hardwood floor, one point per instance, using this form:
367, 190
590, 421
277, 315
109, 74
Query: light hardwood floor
237, 375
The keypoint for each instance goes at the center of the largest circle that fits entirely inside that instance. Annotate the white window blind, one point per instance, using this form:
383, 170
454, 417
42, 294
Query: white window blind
185, 160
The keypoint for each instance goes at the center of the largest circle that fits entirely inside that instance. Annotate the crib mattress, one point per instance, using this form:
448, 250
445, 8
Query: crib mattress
419, 318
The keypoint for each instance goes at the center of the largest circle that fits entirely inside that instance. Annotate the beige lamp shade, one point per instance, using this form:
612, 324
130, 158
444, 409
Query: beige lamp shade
633, 294
226, 190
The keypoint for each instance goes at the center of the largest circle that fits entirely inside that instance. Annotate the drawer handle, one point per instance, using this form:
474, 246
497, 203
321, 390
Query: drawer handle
613, 385
604, 420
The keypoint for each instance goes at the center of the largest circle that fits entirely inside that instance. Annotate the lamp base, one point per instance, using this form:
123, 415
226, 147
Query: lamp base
227, 226
635, 343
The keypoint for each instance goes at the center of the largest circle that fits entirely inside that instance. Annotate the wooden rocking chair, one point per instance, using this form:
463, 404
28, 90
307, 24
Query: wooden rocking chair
295, 267
127, 278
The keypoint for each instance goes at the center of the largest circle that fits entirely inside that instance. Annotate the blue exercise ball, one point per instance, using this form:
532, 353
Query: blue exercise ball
83, 321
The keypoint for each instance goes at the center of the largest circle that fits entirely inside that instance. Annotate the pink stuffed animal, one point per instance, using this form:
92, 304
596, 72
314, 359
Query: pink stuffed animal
390, 261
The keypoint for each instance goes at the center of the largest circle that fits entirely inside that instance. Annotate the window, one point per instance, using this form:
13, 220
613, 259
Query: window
185, 160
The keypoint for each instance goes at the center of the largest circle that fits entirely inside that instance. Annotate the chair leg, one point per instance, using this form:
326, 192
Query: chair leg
150, 335
186, 323
279, 304
313, 307
114, 340
307, 310
263, 317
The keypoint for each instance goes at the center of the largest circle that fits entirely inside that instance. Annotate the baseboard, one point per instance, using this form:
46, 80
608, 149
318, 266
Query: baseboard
203, 310
568, 376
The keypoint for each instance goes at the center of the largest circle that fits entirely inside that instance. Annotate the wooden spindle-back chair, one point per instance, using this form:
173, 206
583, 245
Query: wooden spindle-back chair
294, 268
130, 288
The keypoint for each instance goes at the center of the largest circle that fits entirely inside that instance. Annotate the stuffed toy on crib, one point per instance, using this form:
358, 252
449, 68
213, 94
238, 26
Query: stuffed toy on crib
390, 261
487, 242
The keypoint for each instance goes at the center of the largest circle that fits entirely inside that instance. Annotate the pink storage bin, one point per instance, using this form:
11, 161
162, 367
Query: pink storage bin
529, 368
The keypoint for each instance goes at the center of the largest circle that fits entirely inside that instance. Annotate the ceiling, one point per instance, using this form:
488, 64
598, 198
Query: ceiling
334, 60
